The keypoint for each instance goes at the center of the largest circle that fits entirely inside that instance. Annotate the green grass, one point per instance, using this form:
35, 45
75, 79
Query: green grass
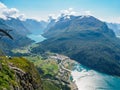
7, 76
48, 69
26, 66
20, 51
20, 63
48, 85
47, 66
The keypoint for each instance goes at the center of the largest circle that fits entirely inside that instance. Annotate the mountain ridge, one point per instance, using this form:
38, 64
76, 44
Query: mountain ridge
76, 23
17, 31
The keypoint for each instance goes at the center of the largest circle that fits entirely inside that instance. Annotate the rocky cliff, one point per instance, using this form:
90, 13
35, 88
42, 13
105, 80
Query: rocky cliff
16, 73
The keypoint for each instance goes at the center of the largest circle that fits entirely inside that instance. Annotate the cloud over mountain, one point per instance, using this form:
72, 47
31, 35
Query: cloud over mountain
6, 12
69, 11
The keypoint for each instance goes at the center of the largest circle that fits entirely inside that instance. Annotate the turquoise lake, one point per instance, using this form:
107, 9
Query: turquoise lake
87, 79
36, 38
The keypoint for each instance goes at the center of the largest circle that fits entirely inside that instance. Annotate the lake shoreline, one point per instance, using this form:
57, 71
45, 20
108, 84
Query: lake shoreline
65, 68
88, 79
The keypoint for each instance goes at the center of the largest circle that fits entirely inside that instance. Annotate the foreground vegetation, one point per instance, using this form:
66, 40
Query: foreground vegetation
18, 73
7, 76
45, 67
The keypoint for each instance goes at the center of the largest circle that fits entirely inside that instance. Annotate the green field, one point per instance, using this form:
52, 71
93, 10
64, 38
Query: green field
45, 67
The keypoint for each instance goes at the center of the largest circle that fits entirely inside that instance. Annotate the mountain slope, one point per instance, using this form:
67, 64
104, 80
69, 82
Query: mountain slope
16, 25
18, 73
76, 24
35, 27
86, 40
18, 33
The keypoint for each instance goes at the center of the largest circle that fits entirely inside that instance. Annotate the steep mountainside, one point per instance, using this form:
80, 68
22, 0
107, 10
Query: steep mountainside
75, 24
35, 27
86, 40
18, 74
18, 33
16, 25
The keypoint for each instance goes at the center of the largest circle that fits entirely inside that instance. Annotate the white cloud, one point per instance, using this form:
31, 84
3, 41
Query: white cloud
111, 19
2, 6
118, 20
69, 11
114, 19
53, 16
22, 17
87, 12
6, 12
10, 12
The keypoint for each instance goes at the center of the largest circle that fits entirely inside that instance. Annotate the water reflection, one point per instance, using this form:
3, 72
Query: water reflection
87, 79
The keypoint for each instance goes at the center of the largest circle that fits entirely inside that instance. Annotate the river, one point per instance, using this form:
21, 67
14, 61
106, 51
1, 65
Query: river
87, 79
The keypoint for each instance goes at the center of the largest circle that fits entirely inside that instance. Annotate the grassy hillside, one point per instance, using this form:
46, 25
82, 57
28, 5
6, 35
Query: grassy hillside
45, 67
18, 73
7, 76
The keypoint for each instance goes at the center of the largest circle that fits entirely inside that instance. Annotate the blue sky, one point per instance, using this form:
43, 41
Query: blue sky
107, 10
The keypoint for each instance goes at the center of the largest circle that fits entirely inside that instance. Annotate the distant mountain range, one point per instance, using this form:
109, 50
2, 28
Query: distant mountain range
19, 31
14, 24
35, 27
84, 39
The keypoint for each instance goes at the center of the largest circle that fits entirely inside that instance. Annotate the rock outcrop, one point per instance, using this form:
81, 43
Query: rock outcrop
18, 74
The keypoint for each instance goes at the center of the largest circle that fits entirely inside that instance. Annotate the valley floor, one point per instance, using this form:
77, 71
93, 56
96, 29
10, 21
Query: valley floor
55, 68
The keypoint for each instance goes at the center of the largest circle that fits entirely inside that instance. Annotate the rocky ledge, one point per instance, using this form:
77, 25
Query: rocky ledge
19, 74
